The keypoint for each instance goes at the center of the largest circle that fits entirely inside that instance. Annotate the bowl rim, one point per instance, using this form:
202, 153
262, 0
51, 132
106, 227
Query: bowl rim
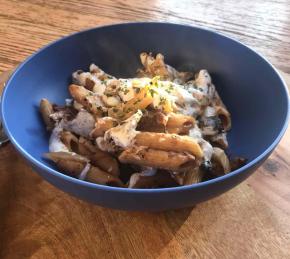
64, 177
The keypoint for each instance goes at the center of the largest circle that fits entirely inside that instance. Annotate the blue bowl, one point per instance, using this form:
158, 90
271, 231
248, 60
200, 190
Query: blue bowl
250, 86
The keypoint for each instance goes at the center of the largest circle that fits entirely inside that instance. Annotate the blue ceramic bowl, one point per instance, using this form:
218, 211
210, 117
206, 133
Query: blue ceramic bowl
250, 86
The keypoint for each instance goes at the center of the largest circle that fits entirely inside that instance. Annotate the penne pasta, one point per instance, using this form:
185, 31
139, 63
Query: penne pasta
105, 161
163, 128
97, 175
86, 147
88, 99
69, 140
73, 165
169, 142
46, 110
144, 156
179, 123
99, 73
70, 163
99, 158
158, 179
102, 125
157, 67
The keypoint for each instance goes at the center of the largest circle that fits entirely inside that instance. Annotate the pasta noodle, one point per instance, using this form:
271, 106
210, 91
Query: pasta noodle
145, 156
179, 123
74, 164
169, 142
102, 125
167, 127
46, 110
145, 180
91, 102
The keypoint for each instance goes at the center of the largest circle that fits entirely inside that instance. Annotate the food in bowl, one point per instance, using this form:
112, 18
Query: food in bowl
164, 128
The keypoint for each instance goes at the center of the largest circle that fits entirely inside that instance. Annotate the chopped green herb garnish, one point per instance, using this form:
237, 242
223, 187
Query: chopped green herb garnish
152, 92
162, 100
137, 101
125, 90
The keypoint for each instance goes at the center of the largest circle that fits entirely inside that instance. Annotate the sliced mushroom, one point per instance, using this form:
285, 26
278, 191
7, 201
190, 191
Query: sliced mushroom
224, 117
220, 162
149, 180
63, 112
237, 162
153, 121
193, 175
69, 140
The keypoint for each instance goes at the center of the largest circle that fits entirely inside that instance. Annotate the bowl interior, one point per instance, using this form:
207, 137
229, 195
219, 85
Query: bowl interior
248, 85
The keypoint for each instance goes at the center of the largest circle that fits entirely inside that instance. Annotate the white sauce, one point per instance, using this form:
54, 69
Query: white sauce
183, 96
99, 88
209, 112
68, 102
82, 125
110, 101
123, 135
77, 105
126, 91
205, 146
84, 172
186, 99
203, 79
55, 144
150, 171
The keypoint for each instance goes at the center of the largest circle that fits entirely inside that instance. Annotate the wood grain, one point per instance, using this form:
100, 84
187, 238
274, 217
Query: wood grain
28, 25
39, 221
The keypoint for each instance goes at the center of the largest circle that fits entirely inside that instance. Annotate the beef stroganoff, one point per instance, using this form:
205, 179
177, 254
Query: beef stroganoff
163, 128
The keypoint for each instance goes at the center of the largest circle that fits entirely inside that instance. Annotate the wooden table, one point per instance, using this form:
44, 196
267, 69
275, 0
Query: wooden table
250, 221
